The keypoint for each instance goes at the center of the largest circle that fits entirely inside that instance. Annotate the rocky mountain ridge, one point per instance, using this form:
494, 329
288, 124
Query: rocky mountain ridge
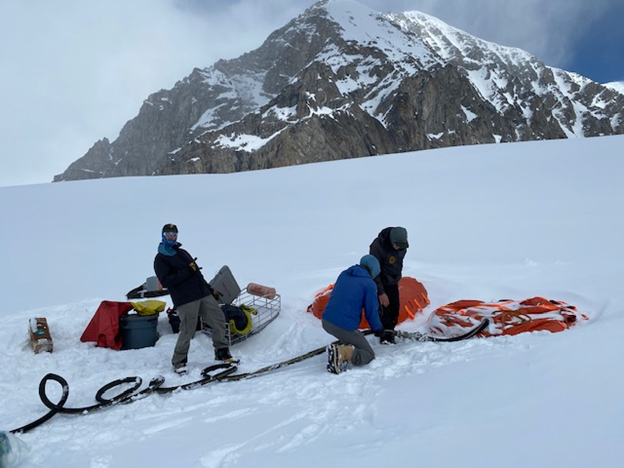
343, 81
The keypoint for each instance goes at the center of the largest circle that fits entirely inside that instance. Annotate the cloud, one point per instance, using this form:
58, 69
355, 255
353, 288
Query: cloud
77, 71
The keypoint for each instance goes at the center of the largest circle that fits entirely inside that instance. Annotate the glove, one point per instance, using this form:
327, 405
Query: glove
216, 294
383, 300
193, 266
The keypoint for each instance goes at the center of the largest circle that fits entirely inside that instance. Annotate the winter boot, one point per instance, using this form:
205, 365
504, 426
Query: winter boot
339, 357
223, 354
387, 337
181, 369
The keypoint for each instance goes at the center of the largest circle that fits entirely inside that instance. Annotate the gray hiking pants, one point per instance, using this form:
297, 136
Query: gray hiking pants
208, 309
363, 353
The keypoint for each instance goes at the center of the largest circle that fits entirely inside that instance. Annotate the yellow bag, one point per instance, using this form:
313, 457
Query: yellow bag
149, 307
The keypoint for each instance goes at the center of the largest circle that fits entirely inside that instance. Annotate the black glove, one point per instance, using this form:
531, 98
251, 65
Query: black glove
216, 294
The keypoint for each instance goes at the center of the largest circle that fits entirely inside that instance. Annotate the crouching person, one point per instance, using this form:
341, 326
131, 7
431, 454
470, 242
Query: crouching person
354, 290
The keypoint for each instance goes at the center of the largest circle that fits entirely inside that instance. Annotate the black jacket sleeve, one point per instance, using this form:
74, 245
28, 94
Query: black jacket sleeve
377, 251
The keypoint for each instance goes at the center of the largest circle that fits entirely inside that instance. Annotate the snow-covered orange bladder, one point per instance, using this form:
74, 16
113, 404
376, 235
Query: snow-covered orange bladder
507, 317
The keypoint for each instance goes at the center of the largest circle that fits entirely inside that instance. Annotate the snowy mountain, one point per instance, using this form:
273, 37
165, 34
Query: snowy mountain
343, 81
616, 85
488, 222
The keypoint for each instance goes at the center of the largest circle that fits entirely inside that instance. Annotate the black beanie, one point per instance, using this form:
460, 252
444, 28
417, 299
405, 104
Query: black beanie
170, 228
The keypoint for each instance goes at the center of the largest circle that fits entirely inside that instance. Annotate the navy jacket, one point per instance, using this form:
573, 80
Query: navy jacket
174, 273
354, 290
390, 260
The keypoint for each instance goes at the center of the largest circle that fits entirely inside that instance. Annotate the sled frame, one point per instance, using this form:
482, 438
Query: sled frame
267, 310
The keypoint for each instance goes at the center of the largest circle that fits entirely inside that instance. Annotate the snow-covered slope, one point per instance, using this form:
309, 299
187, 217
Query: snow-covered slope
486, 222
616, 85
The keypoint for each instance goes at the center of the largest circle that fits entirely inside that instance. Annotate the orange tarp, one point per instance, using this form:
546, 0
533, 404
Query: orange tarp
413, 296
507, 317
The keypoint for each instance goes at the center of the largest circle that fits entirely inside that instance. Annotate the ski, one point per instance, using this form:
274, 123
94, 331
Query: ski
272, 367
417, 336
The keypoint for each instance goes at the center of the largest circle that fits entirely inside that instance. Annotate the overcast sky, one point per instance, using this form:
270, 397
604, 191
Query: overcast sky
75, 71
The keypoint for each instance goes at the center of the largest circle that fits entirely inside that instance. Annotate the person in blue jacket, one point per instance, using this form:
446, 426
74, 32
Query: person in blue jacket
355, 289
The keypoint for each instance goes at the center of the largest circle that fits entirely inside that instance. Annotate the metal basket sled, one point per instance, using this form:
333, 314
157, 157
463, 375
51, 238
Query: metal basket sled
266, 310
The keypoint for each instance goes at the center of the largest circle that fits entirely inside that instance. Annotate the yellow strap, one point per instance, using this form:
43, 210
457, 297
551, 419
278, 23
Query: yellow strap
246, 308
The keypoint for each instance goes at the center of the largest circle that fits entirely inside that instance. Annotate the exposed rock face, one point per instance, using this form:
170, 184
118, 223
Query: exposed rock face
342, 81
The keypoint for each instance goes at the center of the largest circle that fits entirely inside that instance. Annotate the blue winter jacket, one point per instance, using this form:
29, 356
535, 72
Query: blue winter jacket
354, 290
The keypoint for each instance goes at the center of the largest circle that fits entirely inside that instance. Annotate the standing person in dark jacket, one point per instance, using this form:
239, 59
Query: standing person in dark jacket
192, 297
354, 290
389, 248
